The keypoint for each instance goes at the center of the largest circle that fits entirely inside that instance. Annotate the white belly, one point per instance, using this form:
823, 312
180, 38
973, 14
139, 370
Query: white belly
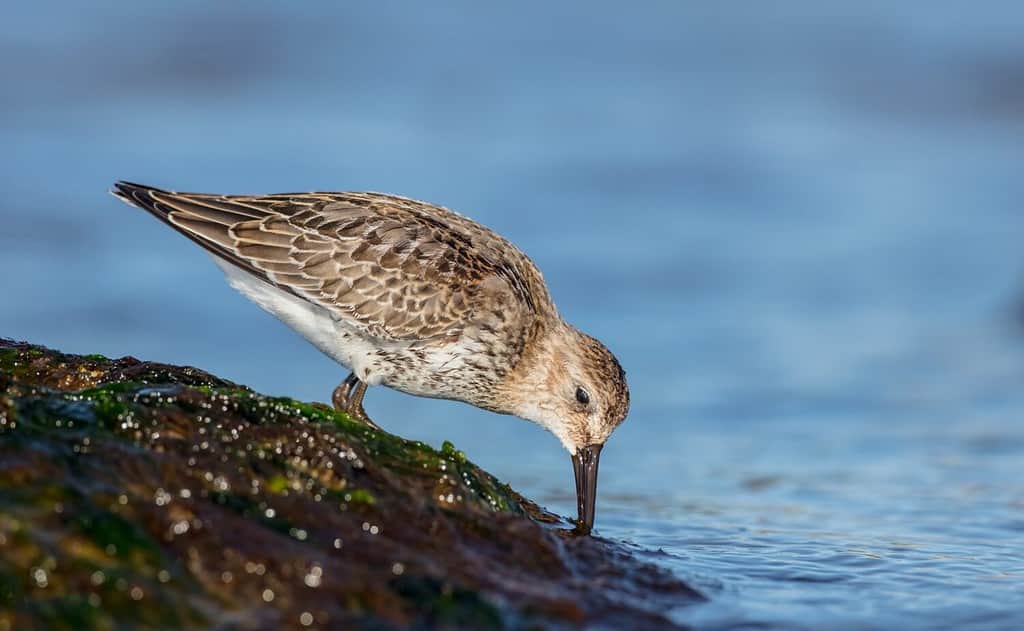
338, 340
400, 365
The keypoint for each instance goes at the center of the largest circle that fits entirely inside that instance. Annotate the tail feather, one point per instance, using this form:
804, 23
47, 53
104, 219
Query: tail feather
204, 219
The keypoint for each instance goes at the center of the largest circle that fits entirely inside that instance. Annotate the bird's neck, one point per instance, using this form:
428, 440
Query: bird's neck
538, 369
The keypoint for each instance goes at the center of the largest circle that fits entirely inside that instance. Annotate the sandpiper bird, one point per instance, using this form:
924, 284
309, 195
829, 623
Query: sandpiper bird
415, 297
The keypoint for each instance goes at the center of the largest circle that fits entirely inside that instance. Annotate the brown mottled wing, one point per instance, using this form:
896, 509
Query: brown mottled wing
398, 268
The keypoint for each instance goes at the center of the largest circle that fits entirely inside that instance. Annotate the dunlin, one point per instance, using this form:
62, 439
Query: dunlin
415, 297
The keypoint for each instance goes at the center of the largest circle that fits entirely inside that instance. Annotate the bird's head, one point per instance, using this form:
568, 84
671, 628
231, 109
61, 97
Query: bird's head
573, 386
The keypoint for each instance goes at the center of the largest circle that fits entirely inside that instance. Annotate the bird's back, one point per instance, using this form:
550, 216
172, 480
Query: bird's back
400, 273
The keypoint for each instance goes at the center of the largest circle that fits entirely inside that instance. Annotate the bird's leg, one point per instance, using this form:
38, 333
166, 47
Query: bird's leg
348, 398
343, 391
355, 406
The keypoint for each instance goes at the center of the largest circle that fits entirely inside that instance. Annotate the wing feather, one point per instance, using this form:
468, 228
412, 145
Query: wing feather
394, 267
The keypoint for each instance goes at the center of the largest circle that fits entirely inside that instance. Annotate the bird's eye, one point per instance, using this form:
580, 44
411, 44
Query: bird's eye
582, 396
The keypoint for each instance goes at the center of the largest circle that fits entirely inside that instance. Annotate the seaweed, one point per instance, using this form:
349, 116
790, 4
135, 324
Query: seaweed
143, 495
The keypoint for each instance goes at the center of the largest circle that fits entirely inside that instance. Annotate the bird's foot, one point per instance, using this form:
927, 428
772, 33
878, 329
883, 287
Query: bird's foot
359, 415
348, 398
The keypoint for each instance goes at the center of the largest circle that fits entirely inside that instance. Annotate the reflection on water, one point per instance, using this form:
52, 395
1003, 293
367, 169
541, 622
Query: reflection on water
800, 231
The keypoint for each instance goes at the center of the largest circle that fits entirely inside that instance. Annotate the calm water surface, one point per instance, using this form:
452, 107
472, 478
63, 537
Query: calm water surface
800, 231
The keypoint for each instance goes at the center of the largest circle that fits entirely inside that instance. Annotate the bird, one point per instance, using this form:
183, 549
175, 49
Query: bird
415, 297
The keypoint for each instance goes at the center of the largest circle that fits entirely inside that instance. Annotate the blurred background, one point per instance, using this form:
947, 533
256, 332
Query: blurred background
799, 226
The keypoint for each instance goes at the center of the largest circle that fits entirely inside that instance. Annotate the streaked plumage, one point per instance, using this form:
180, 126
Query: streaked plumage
409, 295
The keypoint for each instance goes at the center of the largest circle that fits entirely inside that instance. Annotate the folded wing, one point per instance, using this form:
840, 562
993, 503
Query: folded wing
397, 268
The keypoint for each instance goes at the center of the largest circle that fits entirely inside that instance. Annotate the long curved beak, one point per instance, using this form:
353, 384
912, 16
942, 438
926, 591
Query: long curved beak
584, 465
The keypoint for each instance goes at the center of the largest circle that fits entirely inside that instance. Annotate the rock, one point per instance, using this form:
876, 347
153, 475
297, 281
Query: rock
142, 495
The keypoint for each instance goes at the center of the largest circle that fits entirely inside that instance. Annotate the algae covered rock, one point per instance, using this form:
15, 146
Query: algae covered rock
142, 495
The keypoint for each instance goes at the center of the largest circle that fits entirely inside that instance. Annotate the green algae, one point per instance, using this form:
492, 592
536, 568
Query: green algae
447, 605
118, 537
277, 484
360, 496
11, 362
250, 509
68, 563
449, 450
114, 402
139, 495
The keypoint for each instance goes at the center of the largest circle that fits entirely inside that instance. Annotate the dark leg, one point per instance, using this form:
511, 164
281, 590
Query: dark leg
343, 391
355, 406
348, 398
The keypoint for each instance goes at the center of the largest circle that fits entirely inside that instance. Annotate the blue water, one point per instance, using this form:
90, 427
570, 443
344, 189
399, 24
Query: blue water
800, 229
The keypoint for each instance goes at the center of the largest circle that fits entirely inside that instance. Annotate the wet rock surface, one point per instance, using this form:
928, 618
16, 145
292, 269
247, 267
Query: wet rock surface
143, 495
